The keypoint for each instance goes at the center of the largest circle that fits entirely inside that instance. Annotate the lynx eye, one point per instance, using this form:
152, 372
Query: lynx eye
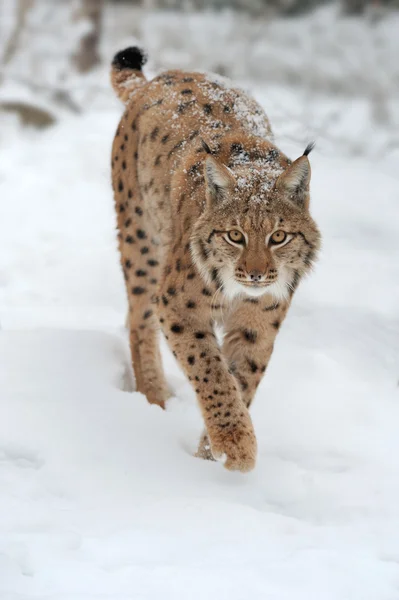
236, 236
278, 237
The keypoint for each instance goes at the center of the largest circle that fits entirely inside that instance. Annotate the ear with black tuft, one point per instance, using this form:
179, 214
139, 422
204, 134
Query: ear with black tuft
309, 148
219, 180
295, 181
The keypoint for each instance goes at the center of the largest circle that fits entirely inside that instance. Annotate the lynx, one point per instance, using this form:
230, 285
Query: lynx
214, 229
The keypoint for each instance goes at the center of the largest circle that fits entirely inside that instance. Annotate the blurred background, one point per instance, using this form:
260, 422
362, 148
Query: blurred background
322, 69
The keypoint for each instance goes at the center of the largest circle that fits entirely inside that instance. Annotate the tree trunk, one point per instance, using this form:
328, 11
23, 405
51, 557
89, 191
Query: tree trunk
87, 55
23, 8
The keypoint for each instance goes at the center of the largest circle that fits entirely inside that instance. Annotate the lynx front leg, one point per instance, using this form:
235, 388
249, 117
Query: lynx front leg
250, 331
248, 344
229, 426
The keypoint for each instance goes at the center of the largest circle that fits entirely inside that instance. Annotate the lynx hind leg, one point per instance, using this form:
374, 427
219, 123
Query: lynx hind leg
141, 271
146, 356
204, 448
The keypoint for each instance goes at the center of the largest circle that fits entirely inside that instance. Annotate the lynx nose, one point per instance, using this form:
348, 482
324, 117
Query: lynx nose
255, 275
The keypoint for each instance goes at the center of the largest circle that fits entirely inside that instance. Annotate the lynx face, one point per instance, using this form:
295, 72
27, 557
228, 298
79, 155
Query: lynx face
256, 237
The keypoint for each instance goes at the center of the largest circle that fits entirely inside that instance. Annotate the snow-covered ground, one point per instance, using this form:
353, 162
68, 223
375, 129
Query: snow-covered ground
100, 496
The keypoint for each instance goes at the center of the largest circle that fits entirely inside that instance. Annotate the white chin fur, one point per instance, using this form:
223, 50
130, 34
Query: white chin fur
279, 290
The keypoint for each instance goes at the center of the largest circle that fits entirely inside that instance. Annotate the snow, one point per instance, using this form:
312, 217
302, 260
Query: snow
100, 495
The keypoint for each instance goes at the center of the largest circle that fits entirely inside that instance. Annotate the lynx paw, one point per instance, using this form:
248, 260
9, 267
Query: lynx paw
235, 446
155, 395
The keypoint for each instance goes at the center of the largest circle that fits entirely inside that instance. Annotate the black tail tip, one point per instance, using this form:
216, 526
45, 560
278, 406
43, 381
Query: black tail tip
309, 148
131, 58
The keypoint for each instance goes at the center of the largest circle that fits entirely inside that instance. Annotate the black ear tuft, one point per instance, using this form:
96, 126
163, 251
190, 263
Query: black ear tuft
206, 147
309, 148
130, 58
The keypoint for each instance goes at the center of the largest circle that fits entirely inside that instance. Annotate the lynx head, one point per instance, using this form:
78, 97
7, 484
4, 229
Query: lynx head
256, 235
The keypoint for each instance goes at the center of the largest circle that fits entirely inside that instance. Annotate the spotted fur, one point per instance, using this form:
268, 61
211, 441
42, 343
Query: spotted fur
193, 163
